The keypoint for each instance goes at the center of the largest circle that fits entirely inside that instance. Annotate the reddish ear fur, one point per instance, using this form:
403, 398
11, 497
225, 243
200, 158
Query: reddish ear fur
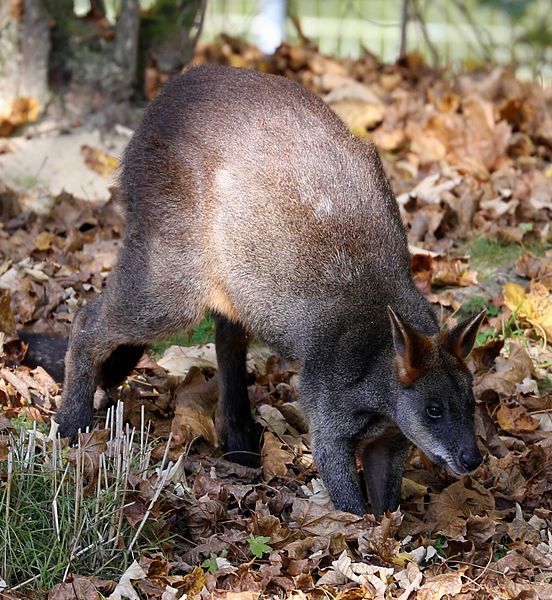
411, 347
461, 339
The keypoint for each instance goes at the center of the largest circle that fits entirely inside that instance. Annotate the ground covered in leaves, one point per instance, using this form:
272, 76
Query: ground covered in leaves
470, 158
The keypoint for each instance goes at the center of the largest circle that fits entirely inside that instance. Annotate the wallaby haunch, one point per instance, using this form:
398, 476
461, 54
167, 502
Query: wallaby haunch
248, 197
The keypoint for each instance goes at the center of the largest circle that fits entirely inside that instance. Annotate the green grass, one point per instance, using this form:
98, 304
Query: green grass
489, 253
545, 385
52, 523
204, 333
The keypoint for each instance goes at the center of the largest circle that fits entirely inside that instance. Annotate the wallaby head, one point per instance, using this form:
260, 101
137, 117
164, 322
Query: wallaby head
434, 403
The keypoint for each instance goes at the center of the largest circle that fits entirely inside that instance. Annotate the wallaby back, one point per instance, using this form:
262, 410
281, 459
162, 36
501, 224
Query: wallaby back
248, 197
272, 201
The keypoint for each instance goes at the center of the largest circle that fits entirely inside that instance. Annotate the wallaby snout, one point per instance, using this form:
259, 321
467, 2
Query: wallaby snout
471, 459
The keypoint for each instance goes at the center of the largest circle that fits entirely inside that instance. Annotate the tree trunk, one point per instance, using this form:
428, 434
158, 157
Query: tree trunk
24, 51
404, 28
126, 47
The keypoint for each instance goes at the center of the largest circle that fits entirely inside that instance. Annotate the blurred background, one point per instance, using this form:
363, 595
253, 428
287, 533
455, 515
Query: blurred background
101, 50
461, 32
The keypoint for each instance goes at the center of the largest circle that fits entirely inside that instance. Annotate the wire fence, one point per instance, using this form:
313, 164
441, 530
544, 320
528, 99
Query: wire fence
451, 32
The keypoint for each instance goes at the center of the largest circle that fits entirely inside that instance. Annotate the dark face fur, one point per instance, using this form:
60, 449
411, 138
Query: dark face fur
435, 404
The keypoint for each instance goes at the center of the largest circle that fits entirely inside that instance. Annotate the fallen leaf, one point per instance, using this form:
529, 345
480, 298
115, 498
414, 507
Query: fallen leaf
534, 306
43, 241
535, 268
515, 419
22, 110
124, 588
75, 588
195, 402
178, 360
274, 457
7, 320
449, 511
89, 450
271, 418
193, 582
439, 586
98, 160
359, 116
508, 371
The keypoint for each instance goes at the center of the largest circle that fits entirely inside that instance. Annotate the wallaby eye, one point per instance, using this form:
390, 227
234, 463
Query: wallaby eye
434, 412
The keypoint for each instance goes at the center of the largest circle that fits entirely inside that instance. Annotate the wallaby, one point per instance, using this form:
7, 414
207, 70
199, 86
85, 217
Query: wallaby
246, 196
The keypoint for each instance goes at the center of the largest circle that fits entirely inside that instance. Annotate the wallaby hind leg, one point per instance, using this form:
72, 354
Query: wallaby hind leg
234, 422
89, 346
383, 462
107, 339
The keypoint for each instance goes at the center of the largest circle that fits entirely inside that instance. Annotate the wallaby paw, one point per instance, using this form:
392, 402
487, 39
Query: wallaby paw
247, 458
242, 447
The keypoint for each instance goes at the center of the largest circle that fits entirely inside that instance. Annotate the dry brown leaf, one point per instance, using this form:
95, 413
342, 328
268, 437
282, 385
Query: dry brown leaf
513, 562
99, 161
193, 582
75, 588
316, 520
43, 241
449, 511
16, 113
439, 586
17, 382
238, 595
509, 371
515, 419
535, 268
7, 320
274, 457
359, 116
91, 446
195, 403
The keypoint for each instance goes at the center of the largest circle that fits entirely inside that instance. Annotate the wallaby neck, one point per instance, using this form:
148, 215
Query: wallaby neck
359, 342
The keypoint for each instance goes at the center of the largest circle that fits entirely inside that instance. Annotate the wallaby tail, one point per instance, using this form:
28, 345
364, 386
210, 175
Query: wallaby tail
47, 351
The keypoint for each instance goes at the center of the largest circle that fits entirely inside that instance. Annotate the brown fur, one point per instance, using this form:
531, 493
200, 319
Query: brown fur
247, 196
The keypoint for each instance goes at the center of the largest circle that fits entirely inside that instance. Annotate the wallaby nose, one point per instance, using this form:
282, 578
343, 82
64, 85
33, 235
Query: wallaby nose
471, 459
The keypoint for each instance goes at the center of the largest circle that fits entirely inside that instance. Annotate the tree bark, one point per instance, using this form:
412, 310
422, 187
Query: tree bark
126, 47
404, 28
24, 51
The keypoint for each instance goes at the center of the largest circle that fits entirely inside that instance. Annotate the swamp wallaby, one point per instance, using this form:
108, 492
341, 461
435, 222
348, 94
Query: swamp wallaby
246, 196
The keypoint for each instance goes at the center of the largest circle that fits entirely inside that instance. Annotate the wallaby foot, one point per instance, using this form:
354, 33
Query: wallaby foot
235, 424
383, 462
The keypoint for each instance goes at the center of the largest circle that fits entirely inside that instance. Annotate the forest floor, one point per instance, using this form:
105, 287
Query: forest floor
470, 159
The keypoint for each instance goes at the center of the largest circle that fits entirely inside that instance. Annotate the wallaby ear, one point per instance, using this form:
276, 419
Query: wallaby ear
411, 348
462, 338
401, 333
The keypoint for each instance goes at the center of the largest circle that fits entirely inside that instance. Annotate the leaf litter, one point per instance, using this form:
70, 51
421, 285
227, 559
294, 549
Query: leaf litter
468, 157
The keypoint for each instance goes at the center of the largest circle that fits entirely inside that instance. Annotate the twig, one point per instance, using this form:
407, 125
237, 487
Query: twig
420, 19
477, 31
404, 28
202, 11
